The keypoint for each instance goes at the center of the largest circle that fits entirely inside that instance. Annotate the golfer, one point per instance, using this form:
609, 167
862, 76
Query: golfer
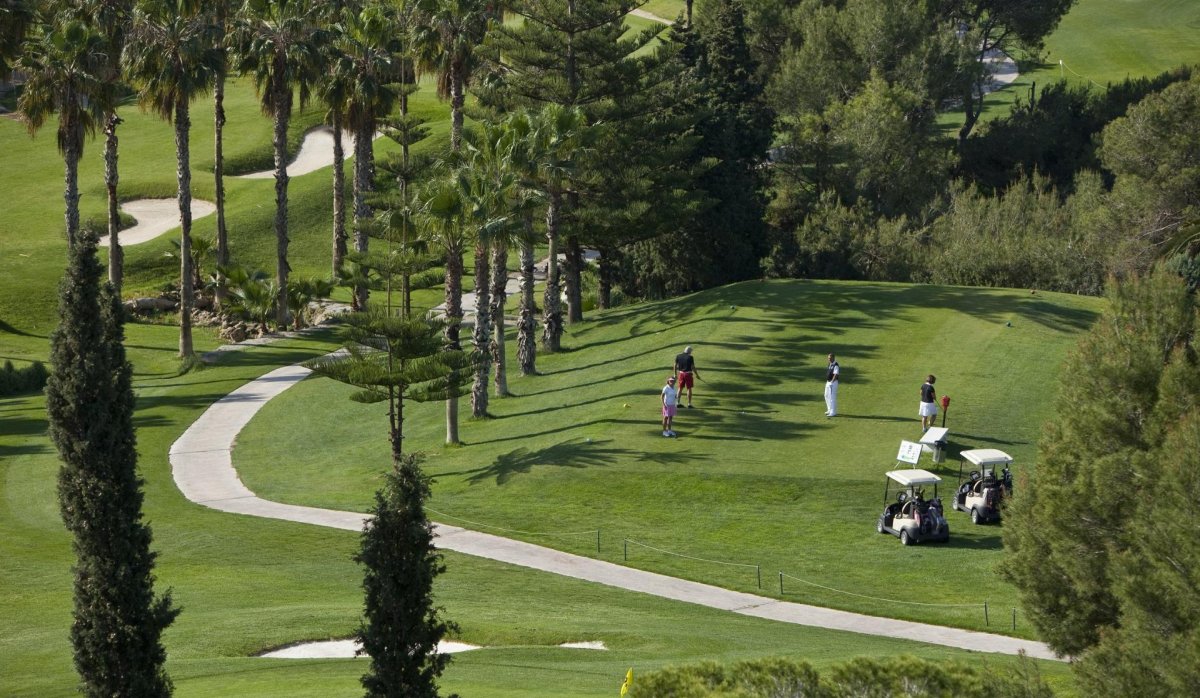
928, 409
685, 369
670, 397
832, 372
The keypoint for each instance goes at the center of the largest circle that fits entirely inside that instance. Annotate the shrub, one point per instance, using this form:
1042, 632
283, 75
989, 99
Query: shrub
28, 379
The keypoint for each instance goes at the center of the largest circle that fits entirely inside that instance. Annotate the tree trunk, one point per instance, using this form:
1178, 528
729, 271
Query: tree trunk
456, 108
454, 274
116, 255
363, 165
574, 281
481, 334
527, 324
604, 297
72, 150
282, 268
219, 178
339, 197
552, 310
499, 297
183, 174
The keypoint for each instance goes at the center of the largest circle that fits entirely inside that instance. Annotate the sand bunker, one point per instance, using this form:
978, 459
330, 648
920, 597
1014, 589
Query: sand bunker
345, 649
316, 152
155, 217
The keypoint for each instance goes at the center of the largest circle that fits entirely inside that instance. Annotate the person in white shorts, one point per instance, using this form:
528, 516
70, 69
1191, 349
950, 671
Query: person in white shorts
670, 398
928, 409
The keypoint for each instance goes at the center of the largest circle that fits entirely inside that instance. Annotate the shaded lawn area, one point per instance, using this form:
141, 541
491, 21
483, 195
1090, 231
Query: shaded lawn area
759, 477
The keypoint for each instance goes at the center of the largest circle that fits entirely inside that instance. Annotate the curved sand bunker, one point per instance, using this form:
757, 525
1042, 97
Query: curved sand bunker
316, 152
155, 217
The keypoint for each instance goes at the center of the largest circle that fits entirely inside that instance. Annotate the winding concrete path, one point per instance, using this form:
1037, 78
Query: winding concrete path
203, 470
155, 217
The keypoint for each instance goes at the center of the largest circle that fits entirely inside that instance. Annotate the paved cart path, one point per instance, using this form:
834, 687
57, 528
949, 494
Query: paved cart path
203, 470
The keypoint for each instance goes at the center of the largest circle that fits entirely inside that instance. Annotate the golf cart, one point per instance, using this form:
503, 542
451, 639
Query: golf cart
981, 493
912, 517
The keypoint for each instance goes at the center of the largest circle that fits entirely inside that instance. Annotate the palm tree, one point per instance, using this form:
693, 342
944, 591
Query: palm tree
64, 69
333, 92
442, 212
554, 138
281, 43
487, 188
448, 39
112, 19
367, 65
222, 19
172, 58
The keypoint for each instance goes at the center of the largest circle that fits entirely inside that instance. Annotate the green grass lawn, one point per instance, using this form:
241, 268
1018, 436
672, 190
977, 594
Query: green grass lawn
1102, 42
248, 584
758, 475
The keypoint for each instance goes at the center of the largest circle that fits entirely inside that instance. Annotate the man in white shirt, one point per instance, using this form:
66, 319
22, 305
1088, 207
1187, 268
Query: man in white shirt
831, 387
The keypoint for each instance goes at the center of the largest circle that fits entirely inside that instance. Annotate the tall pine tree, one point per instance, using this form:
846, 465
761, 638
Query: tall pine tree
1102, 543
734, 126
118, 619
614, 79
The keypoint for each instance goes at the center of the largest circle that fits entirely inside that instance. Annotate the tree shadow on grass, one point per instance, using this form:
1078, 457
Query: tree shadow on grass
986, 537
573, 453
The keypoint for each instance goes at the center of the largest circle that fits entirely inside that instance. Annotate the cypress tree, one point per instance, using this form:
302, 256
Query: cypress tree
402, 627
118, 621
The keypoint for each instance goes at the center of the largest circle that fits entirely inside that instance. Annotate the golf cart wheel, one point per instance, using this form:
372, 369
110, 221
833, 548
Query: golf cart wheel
906, 539
879, 525
975, 517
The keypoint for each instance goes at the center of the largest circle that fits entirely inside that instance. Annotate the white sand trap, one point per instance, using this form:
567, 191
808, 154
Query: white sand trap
155, 217
346, 649
316, 152
586, 645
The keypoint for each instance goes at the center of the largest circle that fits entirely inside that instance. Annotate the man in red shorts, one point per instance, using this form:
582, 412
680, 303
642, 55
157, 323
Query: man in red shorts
685, 370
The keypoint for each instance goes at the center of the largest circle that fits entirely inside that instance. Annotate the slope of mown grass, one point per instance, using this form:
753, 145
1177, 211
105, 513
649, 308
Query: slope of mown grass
1103, 42
32, 224
758, 475
248, 584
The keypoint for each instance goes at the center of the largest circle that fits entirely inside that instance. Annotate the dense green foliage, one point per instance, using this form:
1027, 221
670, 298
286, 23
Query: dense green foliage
118, 622
1101, 544
27, 379
402, 627
733, 126
901, 677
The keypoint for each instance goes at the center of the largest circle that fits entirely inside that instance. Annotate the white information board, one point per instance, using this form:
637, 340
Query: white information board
910, 452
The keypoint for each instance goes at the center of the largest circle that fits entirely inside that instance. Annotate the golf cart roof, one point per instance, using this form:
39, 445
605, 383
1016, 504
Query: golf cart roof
914, 476
986, 456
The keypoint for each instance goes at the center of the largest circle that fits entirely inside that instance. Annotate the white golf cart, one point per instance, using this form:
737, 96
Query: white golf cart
912, 517
982, 491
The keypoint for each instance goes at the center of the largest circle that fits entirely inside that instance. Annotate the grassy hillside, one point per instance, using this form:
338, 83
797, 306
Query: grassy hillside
1105, 41
758, 476
247, 584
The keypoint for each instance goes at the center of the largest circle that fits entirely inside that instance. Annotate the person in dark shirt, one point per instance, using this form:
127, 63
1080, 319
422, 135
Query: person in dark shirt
928, 409
685, 371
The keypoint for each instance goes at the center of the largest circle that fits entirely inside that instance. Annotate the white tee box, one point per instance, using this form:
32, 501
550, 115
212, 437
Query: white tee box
932, 436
